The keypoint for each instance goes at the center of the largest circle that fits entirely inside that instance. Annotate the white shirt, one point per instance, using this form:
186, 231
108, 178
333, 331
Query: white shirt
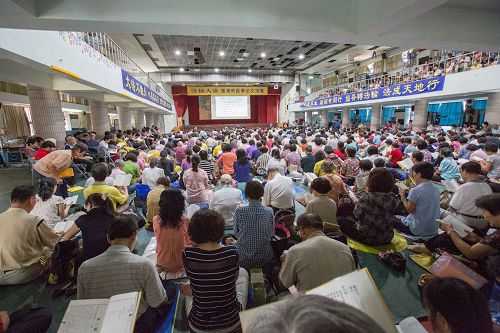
280, 164
279, 192
225, 201
151, 175
48, 210
159, 147
464, 201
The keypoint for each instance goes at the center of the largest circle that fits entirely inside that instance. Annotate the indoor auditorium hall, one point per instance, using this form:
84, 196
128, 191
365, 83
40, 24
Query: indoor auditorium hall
249, 167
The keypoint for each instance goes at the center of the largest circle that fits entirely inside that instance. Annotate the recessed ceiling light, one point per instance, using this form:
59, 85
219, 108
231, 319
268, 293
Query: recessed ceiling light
301, 56
281, 71
222, 53
249, 70
262, 54
196, 69
311, 77
216, 69
177, 52
181, 69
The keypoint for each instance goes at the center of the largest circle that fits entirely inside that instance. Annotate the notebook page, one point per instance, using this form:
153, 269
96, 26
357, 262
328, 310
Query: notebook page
84, 316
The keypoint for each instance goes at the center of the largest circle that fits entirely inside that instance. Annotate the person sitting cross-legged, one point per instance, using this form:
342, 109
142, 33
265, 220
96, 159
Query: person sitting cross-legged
316, 260
22, 239
322, 205
218, 286
117, 196
374, 212
253, 228
119, 271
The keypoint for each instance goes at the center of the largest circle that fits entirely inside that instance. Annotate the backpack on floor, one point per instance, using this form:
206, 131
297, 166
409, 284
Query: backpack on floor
63, 263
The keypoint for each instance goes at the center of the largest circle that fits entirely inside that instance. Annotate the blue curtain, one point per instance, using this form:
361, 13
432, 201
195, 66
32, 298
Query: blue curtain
479, 104
387, 113
364, 115
451, 113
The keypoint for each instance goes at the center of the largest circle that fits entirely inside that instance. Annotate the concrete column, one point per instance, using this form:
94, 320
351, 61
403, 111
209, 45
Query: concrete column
150, 120
124, 118
492, 114
346, 121
161, 123
46, 114
420, 115
324, 118
308, 117
139, 119
99, 117
375, 117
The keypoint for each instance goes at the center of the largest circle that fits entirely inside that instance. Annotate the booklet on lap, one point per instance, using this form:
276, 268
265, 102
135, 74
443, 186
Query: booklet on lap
117, 314
122, 180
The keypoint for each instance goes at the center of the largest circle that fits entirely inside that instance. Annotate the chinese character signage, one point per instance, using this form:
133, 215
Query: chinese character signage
226, 91
403, 89
139, 89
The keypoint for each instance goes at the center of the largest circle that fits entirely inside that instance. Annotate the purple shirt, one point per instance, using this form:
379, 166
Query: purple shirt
250, 150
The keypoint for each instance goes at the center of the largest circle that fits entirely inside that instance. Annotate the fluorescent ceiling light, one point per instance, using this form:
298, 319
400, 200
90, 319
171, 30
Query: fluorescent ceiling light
281, 71
249, 70
311, 77
222, 53
181, 69
216, 69
177, 52
262, 54
301, 56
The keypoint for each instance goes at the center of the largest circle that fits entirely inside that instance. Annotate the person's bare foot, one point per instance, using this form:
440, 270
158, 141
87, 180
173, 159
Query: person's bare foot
419, 248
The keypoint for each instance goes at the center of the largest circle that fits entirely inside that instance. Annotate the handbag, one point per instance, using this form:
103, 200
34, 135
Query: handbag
447, 266
345, 206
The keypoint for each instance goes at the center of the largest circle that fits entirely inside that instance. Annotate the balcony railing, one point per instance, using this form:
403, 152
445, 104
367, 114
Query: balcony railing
107, 47
465, 62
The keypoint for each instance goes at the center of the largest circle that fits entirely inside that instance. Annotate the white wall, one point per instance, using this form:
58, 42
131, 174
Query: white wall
66, 51
170, 122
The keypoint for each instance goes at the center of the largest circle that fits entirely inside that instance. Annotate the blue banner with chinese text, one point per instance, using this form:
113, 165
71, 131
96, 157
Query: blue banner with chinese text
138, 88
402, 89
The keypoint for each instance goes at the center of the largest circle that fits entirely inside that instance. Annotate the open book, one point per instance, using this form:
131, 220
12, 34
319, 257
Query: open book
461, 228
117, 314
410, 325
72, 200
451, 185
309, 176
122, 180
401, 186
356, 289
63, 226
406, 164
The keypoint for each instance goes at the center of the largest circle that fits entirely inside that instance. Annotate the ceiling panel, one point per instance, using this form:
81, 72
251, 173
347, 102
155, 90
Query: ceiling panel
202, 52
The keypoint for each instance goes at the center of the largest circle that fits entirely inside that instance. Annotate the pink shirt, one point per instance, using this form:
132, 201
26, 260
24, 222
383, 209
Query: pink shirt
196, 184
170, 244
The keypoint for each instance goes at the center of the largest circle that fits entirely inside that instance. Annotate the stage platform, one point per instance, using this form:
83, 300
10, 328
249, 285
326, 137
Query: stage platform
222, 126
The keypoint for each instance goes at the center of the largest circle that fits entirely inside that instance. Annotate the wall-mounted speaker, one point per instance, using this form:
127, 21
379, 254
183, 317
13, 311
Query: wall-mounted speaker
384, 56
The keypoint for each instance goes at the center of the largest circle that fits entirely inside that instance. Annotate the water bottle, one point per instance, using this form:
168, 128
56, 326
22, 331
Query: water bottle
494, 303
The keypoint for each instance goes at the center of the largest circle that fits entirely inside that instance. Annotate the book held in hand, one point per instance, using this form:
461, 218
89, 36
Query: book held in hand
117, 314
450, 185
461, 228
122, 180
405, 164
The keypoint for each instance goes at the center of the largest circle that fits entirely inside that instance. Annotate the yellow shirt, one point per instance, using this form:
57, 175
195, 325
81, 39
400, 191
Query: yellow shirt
114, 195
317, 169
217, 150
22, 238
154, 153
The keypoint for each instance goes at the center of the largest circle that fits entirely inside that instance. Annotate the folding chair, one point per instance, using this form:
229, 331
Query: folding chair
81, 169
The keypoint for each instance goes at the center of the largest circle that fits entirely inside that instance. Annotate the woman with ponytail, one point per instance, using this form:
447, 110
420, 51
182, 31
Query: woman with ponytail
49, 206
196, 182
94, 225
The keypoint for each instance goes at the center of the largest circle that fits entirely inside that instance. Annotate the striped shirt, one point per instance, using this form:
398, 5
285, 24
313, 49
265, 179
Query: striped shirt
262, 162
213, 276
118, 271
208, 167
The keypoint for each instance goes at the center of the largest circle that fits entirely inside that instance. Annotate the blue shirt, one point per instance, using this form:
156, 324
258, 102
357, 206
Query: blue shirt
449, 169
254, 227
422, 222
242, 172
376, 139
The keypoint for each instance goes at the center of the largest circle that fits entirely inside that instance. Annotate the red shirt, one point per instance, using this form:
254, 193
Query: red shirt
40, 153
227, 160
396, 156
340, 154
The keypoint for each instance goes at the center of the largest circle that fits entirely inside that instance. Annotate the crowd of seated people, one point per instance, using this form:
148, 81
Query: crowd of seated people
447, 64
241, 183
